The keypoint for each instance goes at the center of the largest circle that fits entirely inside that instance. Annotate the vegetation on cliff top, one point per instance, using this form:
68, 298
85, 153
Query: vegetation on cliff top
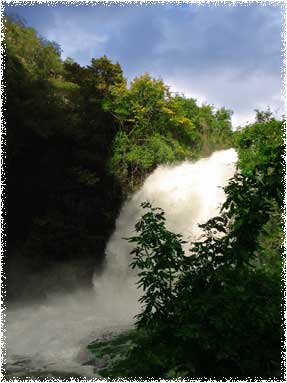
216, 313
79, 138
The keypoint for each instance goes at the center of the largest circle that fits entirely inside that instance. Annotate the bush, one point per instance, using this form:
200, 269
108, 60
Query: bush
210, 316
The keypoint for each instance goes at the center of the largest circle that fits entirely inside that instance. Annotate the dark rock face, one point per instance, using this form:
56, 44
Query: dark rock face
56, 240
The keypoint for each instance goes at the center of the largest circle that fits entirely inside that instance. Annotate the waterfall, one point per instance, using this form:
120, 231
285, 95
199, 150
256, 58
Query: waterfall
52, 334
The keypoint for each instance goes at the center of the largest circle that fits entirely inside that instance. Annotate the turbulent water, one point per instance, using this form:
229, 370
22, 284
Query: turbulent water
52, 334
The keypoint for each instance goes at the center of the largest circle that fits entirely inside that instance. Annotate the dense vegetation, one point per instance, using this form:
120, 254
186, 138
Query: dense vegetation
158, 127
79, 138
216, 313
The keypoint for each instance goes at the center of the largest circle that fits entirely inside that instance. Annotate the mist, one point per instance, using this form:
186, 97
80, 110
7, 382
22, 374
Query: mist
52, 333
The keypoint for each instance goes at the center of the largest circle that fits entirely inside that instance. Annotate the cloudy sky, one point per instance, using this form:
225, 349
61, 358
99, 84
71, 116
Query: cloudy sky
225, 55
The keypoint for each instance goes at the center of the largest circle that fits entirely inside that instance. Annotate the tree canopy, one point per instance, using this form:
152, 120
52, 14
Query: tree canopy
79, 138
216, 313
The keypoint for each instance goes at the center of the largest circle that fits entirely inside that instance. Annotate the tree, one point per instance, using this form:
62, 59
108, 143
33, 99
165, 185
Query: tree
157, 127
41, 58
263, 116
61, 201
225, 299
158, 257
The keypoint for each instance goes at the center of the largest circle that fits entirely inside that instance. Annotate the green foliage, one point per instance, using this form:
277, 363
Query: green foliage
197, 309
263, 116
157, 127
269, 252
230, 329
260, 148
104, 74
61, 199
135, 161
40, 57
73, 133
232, 319
213, 305
258, 144
135, 354
158, 255
112, 354
222, 304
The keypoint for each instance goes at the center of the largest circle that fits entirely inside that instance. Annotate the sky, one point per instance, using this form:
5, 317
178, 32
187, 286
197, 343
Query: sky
226, 55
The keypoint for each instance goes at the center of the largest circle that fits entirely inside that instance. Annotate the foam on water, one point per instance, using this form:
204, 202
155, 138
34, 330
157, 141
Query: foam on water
52, 334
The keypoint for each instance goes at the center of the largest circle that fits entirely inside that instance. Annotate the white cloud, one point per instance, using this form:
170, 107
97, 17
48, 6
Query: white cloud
225, 56
76, 40
240, 93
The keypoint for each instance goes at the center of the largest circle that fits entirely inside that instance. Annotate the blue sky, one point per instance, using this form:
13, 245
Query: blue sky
225, 55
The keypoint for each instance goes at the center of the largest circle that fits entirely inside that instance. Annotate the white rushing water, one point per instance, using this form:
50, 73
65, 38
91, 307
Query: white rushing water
52, 334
